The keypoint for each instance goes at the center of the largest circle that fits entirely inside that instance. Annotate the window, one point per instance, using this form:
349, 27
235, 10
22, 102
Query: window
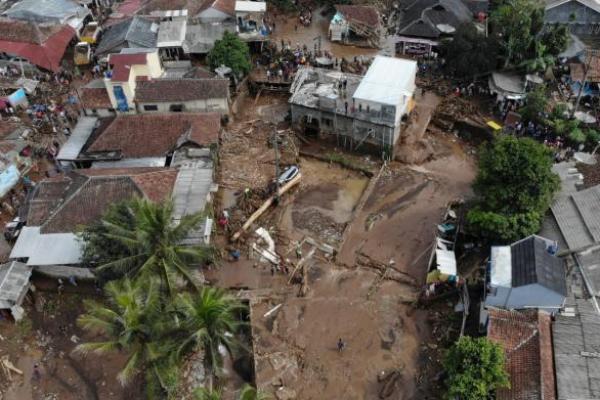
151, 107
326, 122
176, 108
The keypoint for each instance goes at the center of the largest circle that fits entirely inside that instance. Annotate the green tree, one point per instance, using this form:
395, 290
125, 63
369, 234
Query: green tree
210, 319
514, 187
131, 321
536, 104
153, 242
592, 138
469, 53
556, 39
203, 393
249, 392
232, 52
512, 24
577, 136
475, 368
540, 60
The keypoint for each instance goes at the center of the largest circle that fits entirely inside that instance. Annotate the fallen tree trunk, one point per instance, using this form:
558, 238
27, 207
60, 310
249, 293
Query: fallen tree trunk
265, 206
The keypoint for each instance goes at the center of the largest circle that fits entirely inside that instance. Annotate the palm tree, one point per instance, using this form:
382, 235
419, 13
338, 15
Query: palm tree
202, 393
542, 59
210, 319
130, 322
154, 244
249, 392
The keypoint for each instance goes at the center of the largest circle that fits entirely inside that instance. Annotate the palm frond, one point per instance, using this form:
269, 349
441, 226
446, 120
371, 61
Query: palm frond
97, 347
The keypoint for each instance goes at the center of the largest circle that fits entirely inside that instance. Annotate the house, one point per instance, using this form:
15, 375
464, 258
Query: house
59, 207
359, 109
356, 24
171, 36
507, 85
95, 100
250, 16
526, 338
14, 285
43, 45
213, 11
582, 16
200, 38
423, 23
576, 345
134, 32
526, 274
139, 140
54, 12
182, 95
14, 155
126, 70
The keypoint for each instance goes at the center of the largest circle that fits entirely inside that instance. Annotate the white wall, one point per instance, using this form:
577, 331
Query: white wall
216, 105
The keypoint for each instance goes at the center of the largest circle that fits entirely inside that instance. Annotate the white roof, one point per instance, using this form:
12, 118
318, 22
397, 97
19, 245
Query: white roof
446, 261
387, 80
171, 33
47, 249
250, 6
82, 132
501, 266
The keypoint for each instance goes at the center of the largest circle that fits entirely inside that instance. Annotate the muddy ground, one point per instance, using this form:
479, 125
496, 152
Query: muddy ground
388, 218
47, 337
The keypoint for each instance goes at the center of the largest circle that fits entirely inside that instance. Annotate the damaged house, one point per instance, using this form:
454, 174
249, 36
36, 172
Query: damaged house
354, 109
355, 24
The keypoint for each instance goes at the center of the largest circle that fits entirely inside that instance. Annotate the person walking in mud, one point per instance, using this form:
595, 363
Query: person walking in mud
341, 345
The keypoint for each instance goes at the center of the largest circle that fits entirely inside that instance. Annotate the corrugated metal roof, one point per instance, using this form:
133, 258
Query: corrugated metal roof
14, 282
131, 163
47, 249
84, 128
56, 11
250, 6
578, 217
387, 81
192, 190
576, 352
171, 33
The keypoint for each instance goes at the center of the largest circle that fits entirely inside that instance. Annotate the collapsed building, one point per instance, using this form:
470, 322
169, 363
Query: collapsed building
355, 24
356, 110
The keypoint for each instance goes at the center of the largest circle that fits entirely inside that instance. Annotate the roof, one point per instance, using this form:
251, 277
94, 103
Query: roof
42, 45
527, 343
387, 81
576, 348
225, 6
82, 132
578, 70
64, 204
508, 82
191, 6
367, 15
593, 4
133, 32
171, 33
427, 18
55, 11
532, 263
173, 90
153, 135
14, 283
49, 249
578, 217
590, 265
446, 261
121, 64
250, 6
200, 38
94, 95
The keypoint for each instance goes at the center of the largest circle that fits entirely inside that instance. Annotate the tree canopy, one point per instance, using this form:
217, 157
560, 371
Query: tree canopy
469, 53
232, 52
514, 187
518, 26
475, 367
536, 104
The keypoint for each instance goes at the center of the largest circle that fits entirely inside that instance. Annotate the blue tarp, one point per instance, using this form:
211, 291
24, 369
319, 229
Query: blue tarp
8, 179
18, 97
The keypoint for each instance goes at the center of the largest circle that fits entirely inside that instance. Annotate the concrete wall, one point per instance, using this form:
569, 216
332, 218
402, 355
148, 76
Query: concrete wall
216, 105
343, 125
100, 112
533, 295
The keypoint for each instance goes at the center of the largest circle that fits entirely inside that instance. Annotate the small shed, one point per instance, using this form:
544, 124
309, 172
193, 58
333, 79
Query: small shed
14, 284
526, 274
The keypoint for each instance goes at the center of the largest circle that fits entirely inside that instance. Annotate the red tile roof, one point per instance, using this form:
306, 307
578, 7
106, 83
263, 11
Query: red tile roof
121, 64
173, 90
82, 197
42, 45
156, 135
367, 15
526, 339
95, 98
